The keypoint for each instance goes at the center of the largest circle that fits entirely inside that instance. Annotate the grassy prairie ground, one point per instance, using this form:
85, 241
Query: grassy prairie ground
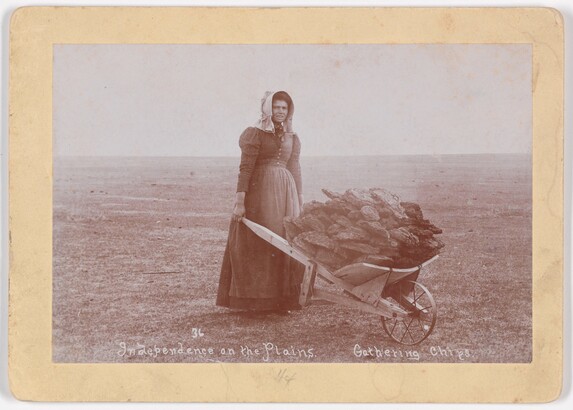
138, 244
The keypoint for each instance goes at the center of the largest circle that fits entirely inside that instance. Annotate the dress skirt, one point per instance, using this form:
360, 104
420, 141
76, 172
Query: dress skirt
255, 275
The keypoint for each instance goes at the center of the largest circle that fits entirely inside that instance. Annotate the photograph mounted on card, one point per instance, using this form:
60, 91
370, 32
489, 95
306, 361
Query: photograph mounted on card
390, 227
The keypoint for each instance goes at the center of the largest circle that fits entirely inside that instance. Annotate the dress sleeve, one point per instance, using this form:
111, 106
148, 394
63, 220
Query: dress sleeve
250, 144
293, 164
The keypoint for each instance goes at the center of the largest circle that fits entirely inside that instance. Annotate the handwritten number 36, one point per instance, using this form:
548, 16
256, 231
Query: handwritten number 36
196, 332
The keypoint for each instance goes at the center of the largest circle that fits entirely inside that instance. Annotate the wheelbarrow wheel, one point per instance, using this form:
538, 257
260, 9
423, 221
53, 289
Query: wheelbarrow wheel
422, 312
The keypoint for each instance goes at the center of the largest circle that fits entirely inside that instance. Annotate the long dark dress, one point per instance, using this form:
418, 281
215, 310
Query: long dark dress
255, 275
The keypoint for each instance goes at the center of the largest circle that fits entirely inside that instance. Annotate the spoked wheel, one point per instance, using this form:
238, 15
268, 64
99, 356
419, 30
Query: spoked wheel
422, 312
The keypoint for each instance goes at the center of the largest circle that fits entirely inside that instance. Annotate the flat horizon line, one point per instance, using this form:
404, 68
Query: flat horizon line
302, 157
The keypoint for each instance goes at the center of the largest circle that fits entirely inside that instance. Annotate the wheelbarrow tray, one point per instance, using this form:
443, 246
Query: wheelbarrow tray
359, 273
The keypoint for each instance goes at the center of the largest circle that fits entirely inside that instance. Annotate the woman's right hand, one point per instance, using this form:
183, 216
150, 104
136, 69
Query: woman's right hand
238, 211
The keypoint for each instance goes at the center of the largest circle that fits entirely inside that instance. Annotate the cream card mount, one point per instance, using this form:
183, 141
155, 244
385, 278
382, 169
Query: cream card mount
124, 155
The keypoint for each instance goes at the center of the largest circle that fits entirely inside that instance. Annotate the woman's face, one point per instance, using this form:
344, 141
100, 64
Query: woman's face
280, 110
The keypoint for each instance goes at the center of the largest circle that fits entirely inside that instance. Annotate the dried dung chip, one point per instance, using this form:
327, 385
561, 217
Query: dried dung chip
311, 206
298, 223
390, 200
412, 210
331, 194
389, 223
431, 244
336, 206
344, 221
318, 239
375, 228
323, 217
384, 196
305, 247
369, 213
420, 232
355, 216
291, 229
358, 197
360, 247
403, 236
353, 234
334, 229
312, 223
434, 229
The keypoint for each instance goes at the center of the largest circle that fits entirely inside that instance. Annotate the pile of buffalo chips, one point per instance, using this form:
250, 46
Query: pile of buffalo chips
364, 225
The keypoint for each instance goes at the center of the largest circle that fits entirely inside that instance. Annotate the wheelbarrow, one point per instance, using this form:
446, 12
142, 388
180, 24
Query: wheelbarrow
406, 307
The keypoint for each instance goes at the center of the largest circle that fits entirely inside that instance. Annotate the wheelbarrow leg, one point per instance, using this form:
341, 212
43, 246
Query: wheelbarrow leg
307, 284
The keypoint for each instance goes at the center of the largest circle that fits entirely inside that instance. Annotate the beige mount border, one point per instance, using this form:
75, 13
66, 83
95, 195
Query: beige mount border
33, 376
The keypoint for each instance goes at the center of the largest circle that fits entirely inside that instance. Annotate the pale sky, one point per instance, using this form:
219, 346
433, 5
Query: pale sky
195, 100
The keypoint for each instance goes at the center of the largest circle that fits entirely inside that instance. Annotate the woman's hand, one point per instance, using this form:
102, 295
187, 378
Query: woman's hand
239, 208
238, 212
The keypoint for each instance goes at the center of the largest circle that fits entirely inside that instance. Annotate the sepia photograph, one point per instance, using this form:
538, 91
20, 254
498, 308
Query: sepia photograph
296, 203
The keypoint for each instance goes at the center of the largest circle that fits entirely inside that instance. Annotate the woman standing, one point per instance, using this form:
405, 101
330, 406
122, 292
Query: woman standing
255, 275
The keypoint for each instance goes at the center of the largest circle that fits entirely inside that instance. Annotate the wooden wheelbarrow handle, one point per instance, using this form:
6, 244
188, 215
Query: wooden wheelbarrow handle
277, 241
